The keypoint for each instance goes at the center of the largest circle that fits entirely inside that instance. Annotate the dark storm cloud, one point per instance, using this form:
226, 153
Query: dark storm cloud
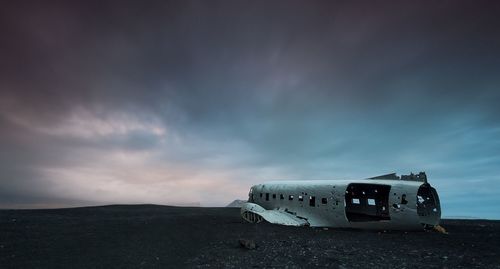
254, 89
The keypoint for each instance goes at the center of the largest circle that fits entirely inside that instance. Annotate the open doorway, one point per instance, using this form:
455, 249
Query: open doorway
367, 202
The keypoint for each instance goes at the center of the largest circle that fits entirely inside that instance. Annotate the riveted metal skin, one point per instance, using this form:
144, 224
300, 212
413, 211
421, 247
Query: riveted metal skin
377, 203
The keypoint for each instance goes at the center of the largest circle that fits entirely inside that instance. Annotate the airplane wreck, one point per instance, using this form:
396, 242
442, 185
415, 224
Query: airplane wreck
387, 202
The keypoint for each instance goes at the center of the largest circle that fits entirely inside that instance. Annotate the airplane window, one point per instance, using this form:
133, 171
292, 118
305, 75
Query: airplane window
301, 198
274, 196
371, 201
290, 197
324, 201
312, 201
403, 199
267, 196
282, 197
261, 195
355, 201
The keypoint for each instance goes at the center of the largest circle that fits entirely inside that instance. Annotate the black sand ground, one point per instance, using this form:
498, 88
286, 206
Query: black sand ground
148, 236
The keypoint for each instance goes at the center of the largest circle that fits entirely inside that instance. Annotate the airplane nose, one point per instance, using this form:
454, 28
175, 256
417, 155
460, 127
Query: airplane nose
428, 206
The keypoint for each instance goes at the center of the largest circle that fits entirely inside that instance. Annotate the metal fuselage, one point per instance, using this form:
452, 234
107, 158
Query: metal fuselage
365, 204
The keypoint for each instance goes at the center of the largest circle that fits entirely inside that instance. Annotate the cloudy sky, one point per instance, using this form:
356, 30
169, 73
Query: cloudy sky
187, 102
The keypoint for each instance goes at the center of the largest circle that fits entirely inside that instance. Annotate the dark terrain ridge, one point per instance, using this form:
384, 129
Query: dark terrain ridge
151, 236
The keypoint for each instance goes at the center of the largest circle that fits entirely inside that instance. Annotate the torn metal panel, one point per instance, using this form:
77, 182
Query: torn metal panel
383, 202
272, 216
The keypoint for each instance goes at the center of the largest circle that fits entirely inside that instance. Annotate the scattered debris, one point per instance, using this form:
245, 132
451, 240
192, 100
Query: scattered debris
440, 229
248, 244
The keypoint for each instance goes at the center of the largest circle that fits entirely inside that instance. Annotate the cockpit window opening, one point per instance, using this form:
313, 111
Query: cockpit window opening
290, 197
428, 207
282, 197
301, 198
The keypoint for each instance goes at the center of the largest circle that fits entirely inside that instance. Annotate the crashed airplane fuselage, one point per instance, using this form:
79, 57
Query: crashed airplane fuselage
384, 202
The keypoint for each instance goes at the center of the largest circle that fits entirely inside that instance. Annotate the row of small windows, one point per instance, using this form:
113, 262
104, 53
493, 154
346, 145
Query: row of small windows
356, 201
312, 199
